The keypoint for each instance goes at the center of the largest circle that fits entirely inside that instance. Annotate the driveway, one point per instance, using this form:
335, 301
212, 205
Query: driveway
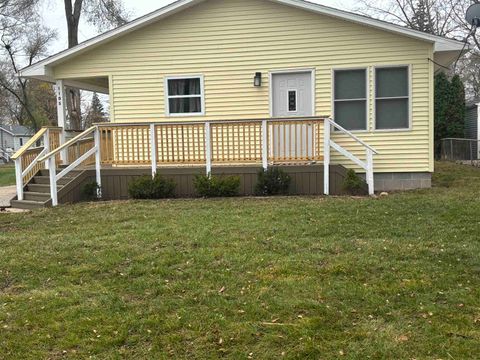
6, 194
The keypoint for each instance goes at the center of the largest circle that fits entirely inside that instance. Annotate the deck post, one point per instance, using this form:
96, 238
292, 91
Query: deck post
46, 144
153, 149
19, 178
52, 169
208, 148
370, 179
265, 144
98, 175
326, 157
61, 116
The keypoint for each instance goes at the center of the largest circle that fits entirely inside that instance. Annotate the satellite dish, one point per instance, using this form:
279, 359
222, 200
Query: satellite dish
473, 15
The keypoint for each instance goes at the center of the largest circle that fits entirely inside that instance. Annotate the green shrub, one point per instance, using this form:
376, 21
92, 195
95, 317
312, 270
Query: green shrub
146, 187
273, 181
216, 186
89, 191
353, 184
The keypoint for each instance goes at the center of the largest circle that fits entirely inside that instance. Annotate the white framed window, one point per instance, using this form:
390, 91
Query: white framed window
292, 101
350, 98
184, 95
392, 98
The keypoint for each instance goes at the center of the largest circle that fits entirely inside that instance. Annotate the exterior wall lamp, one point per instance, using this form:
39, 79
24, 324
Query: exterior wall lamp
257, 80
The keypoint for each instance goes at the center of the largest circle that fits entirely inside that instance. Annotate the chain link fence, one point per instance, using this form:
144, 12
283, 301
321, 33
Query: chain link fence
461, 150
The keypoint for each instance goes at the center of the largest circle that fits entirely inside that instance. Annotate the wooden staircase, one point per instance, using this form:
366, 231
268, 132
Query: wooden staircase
37, 191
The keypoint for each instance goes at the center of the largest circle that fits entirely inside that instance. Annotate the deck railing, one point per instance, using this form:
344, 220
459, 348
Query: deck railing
212, 143
262, 142
27, 158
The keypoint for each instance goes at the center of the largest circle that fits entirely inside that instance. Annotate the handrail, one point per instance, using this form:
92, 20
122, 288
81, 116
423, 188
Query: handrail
212, 122
29, 143
68, 143
349, 133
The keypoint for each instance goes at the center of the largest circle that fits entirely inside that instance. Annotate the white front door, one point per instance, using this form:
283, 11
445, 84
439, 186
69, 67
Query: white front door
292, 94
292, 97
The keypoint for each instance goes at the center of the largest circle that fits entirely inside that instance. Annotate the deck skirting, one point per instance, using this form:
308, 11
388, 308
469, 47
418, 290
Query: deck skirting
306, 180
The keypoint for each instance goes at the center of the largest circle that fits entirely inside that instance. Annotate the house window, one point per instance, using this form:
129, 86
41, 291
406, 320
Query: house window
21, 141
292, 100
350, 99
185, 96
392, 98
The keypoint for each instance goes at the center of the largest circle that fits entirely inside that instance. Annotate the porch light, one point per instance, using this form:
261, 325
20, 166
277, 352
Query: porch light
258, 79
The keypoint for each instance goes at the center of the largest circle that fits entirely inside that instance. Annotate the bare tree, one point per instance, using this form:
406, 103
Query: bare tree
438, 17
24, 40
103, 14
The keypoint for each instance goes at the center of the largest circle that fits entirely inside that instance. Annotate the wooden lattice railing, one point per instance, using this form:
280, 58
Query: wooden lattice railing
228, 142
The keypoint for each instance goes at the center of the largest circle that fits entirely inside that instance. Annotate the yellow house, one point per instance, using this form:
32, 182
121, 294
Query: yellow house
231, 86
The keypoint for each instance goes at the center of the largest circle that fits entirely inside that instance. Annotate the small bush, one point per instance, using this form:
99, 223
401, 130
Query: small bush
215, 186
353, 184
89, 191
147, 188
273, 181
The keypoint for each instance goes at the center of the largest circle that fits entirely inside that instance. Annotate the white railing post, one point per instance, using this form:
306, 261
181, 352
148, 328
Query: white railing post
326, 157
61, 117
98, 175
19, 178
370, 180
208, 148
46, 144
153, 149
265, 144
52, 169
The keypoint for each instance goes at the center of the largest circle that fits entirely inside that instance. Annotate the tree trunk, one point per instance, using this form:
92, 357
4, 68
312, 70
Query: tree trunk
72, 14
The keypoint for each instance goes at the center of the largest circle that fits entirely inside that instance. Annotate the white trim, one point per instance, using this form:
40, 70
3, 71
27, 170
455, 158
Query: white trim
366, 99
43, 68
313, 81
201, 95
288, 100
8, 132
409, 97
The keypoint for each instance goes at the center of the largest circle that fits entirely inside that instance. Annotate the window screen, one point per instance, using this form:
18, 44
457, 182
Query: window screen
185, 96
392, 103
351, 99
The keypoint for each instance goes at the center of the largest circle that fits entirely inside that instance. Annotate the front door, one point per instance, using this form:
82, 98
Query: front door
292, 94
292, 97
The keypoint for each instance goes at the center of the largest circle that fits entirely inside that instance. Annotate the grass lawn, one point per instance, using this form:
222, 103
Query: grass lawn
7, 175
295, 278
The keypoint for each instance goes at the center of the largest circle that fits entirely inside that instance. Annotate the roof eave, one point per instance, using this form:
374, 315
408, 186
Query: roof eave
42, 69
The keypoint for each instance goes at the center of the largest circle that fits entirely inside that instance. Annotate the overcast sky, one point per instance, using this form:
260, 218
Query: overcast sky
54, 16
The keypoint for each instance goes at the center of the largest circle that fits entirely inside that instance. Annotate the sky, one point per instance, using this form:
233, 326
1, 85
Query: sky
54, 16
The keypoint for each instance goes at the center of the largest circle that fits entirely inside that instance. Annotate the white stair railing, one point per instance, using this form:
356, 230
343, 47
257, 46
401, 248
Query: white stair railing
367, 165
4, 155
52, 166
27, 158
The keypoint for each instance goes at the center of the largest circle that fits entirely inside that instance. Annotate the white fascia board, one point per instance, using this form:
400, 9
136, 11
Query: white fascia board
8, 132
41, 68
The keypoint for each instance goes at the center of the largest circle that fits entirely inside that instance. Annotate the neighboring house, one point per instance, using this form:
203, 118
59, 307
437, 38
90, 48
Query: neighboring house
253, 82
472, 125
472, 121
12, 138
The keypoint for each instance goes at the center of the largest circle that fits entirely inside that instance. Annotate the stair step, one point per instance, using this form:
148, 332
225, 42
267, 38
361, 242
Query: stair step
72, 173
36, 196
27, 204
41, 188
46, 180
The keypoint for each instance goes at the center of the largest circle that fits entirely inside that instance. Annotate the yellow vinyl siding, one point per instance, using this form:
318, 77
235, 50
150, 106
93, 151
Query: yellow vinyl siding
227, 41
